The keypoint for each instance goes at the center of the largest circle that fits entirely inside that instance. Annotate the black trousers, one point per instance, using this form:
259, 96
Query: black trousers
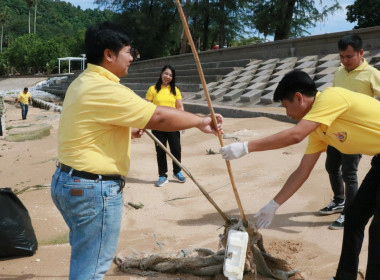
174, 140
365, 205
342, 171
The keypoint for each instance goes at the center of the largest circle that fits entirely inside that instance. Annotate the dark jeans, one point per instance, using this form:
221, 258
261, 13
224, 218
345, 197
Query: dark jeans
174, 139
365, 205
24, 110
342, 169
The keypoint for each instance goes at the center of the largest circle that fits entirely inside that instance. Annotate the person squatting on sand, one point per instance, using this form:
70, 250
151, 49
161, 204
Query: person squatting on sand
346, 120
357, 75
165, 93
99, 117
24, 99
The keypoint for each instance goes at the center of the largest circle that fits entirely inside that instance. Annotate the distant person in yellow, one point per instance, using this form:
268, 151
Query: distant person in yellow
357, 75
99, 117
24, 99
165, 93
346, 120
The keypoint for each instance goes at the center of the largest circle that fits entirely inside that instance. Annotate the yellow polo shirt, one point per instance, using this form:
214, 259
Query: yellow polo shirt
164, 97
364, 79
98, 113
24, 97
350, 122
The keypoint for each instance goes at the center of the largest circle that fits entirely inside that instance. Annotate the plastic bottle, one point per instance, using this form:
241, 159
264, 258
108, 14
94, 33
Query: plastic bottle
236, 250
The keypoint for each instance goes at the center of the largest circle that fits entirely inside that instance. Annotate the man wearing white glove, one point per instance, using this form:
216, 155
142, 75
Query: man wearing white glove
266, 214
234, 151
341, 118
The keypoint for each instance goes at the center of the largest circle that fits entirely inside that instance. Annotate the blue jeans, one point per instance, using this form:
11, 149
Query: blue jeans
92, 209
24, 110
342, 170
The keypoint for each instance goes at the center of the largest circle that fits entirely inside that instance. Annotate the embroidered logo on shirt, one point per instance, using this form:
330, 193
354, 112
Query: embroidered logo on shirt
342, 136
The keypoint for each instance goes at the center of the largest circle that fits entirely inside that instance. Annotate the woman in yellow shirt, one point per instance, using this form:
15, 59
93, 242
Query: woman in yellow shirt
165, 93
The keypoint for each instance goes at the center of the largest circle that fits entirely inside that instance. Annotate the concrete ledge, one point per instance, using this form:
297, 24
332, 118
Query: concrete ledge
23, 133
236, 113
46, 105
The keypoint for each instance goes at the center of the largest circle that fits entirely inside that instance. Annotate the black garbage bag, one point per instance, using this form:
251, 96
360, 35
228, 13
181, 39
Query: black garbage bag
17, 237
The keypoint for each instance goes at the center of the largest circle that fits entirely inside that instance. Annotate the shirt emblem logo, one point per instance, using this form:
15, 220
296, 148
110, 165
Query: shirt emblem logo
341, 136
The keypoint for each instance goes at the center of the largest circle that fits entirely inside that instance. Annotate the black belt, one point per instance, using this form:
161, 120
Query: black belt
92, 176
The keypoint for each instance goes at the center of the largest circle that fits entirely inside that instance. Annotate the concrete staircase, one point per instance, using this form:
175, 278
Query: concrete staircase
238, 83
254, 85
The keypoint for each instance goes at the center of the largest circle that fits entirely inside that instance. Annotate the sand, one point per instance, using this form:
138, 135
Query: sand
178, 216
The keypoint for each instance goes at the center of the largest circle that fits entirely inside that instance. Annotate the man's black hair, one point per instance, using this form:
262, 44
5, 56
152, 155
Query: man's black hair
172, 82
103, 36
292, 82
350, 40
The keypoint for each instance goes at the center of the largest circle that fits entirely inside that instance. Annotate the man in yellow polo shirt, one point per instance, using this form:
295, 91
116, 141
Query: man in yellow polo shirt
357, 75
346, 120
24, 99
99, 117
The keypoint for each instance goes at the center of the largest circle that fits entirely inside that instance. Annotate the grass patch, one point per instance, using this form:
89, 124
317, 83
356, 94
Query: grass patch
211, 152
56, 240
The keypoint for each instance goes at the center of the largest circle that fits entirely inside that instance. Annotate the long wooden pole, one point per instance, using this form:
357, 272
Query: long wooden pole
162, 146
200, 71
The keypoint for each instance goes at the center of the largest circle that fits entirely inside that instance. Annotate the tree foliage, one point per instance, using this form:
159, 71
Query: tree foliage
365, 12
59, 28
288, 18
31, 52
155, 25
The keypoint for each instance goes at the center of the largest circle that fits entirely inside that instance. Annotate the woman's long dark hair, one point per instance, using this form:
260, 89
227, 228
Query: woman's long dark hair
172, 83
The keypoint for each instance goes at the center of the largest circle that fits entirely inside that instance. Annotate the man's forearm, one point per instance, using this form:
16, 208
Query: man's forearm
276, 141
284, 138
170, 119
297, 178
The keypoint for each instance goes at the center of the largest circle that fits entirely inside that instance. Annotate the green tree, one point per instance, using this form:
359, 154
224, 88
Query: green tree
288, 18
29, 3
5, 15
35, 2
155, 26
31, 53
218, 21
365, 12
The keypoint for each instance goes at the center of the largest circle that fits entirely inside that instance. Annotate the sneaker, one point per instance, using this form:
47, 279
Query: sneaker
338, 224
180, 178
161, 181
332, 208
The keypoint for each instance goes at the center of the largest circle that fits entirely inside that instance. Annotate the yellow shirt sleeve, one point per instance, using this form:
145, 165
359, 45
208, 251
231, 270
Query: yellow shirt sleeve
327, 108
349, 121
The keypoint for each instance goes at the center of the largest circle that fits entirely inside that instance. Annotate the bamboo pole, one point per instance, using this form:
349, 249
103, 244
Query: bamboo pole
200, 71
158, 142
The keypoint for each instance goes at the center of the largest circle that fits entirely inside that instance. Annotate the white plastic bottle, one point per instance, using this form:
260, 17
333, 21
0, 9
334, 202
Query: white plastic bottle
236, 250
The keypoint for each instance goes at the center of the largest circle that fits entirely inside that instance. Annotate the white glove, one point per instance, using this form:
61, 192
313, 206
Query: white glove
234, 150
266, 214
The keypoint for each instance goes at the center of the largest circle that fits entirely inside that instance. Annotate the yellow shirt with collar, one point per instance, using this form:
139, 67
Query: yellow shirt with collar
350, 122
164, 97
98, 113
24, 97
363, 79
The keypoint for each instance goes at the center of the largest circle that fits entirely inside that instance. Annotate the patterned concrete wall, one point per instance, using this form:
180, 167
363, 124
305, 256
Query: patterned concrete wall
311, 45
254, 84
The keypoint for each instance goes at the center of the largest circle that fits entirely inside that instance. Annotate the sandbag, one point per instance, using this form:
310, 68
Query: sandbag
17, 237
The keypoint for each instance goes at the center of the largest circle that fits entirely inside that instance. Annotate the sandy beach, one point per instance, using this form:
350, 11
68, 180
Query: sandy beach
178, 216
